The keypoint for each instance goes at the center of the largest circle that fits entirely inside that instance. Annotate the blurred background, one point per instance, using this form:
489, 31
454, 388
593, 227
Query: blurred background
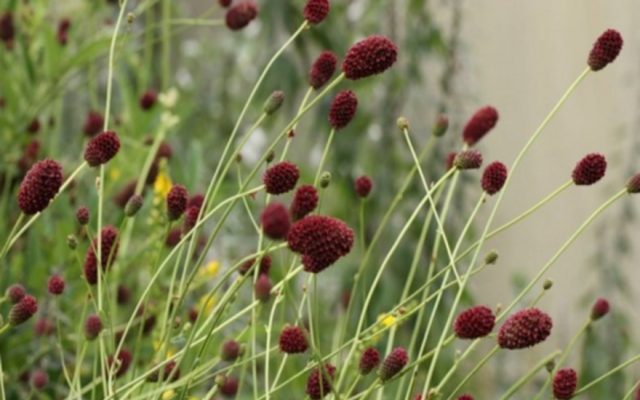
455, 56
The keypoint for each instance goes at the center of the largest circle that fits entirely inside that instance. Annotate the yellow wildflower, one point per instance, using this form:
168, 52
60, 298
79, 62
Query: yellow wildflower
162, 185
168, 394
387, 320
205, 306
114, 173
209, 270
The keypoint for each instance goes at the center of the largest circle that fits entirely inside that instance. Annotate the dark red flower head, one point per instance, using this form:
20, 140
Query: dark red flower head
363, 186
82, 215
228, 385
476, 322
304, 201
23, 310
262, 288
241, 14
197, 200
265, 265
108, 253
173, 237
494, 177
93, 124
600, 309
281, 177
524, 329
465, 397
63, 30
479, 125
39, 379
315, 11
39, 186
168, 373
633, 185
605, 49
564, 383
369, 56
393, 363
293, 340
34, 126
590, 169
468, 159
102, 148
122, 363
448, 161
275, 221
148, 99
321, 240
190, 218
15, 293
369, 360
43, 327
343, 108
7, 28
230, 350
322, 69
177, 200
123, 294
319, 381
56, 285
224, 3
92, 327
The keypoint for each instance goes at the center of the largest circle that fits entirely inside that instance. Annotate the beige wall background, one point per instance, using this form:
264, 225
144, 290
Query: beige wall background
520, 56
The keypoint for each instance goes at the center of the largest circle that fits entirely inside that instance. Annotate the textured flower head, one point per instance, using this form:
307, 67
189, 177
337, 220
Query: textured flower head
228, 385
605, 49
230, 350
108, 253
275, 221
600, 309
363, 185
15, 293
565, 382
342, 109
177, 202
241, 14
526, 328
120, 363
224, 3
475, 322
39, 186
440, 126
82, 215
93, 124
393, 363
321, 240
92, 327
39, 379
23, 310
590, 169
293, 340
494, 177
319, 381
304, 201
465, 397
370, 56
322, 69
262, 288
265, 265
7, 28
468, 159
281, 177
148, 99
369, 360
479, 125
633, 185
56, 285
315, 11
102, 148
43, 327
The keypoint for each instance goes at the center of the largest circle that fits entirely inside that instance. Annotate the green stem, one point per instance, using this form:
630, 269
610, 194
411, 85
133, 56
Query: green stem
324, 156
475, 369
529, 375
606, 375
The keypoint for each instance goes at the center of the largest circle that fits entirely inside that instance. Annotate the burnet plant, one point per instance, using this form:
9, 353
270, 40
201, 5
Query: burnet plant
269, 342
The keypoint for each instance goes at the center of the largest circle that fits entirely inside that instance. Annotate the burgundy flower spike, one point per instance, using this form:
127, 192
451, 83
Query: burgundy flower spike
589, 170
494, 177
241, 14
564, 383
474, 323
343, 108
281, 178
318, 385
304, 201
524, 329
315, 11
479, 125
102, 148
322, 69
368, 57
605, 49
39, 186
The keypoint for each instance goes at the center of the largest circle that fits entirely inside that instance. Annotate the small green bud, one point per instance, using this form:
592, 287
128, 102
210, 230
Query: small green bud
402, 123
270, 156
72, 242
440, 126
550, 365
133, 205
325, 179
491, 257
548, 284
274, 102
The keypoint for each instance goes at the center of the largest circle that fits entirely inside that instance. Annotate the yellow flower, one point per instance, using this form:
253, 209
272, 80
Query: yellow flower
114, 173
162, 185
168, 394
387, 320
209, 270
205, 306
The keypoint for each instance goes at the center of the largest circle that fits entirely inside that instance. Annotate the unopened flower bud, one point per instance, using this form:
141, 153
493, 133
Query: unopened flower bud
402, 123
440, 126
325, 179
491, 257
133, 205
548, 284
274, 102
72, 242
